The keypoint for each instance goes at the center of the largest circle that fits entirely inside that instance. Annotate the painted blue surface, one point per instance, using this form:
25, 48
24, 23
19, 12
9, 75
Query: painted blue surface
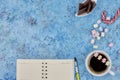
41, 29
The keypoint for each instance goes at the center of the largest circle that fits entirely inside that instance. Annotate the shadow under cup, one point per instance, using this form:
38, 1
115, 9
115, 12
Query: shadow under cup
98, 63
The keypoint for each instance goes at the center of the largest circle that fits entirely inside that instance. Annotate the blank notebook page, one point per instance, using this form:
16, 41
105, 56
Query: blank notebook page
28, 69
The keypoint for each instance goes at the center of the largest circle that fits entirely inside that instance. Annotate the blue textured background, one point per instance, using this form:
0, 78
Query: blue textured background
40, 29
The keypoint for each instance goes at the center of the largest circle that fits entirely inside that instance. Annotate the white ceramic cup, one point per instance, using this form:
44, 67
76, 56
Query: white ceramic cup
108, 69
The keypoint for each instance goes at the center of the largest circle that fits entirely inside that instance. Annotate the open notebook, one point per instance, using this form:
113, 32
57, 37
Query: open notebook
30, 69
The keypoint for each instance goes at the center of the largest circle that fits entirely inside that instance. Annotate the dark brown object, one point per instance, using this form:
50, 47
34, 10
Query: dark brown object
83, 10
97, 65
86, 7
89, 7
93, 6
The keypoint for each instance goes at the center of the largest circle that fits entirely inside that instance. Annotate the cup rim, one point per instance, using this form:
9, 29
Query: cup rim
86, 63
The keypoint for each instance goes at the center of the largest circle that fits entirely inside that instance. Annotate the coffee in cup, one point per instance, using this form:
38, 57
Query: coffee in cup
98, 63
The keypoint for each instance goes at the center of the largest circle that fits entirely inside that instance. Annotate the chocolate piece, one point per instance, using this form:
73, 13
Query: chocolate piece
86, 2
89, 7
81, 5
82, 11
93, 6
86, 7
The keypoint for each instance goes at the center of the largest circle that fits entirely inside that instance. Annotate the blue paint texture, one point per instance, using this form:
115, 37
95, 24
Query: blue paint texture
48, 29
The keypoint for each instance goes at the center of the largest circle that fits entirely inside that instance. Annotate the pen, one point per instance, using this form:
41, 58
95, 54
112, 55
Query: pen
76, 70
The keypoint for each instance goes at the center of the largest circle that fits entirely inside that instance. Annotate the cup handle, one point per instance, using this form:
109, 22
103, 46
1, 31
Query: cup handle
112, 73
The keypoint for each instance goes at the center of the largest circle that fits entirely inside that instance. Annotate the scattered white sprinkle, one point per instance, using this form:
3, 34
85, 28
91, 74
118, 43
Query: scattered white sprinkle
98, 38
110, 44
102, 34
95, 25
99, 21
108, 18
92, 41
95, 46
95, 33
106, 30
100, 28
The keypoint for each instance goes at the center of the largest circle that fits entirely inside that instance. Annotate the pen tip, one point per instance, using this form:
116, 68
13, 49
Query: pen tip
75, 59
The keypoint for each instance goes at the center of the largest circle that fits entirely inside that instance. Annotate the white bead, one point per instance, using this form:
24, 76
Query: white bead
102, 34
106, 30
95, 25
98, 38
93, 31
110, 44
108, 18
99, 21
95, 46
92, 41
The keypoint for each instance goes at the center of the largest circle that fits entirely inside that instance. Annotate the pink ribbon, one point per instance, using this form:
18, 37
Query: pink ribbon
112, 20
